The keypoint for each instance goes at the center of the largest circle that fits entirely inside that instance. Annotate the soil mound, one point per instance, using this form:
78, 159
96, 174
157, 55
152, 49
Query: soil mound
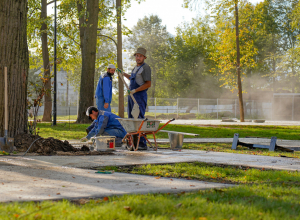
42, 146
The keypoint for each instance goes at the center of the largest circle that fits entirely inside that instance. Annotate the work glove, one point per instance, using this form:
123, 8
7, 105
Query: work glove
132, 92
84, 139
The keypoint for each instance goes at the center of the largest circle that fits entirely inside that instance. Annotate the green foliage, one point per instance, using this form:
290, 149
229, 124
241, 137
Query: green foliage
188, 69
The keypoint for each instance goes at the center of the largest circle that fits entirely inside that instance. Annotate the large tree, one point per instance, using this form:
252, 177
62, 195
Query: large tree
46, 63
88, 26
14, 55
218, 8
152, 35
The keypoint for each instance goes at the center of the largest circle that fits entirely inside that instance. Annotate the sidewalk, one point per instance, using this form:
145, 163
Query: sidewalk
35, 178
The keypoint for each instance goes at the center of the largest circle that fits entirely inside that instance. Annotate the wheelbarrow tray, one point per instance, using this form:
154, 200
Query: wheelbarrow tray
132, 125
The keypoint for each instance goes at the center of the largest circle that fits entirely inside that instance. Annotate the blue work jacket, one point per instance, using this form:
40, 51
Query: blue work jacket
104, 122
104, 88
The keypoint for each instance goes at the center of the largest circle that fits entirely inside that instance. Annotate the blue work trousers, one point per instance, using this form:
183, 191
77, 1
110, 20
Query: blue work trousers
100, 105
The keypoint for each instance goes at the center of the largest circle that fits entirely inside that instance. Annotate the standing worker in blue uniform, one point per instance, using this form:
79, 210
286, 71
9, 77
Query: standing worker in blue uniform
105, 124
103, 92
140, 82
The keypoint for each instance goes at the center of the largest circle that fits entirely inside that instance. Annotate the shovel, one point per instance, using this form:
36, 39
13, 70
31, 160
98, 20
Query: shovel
136, 109
6, 143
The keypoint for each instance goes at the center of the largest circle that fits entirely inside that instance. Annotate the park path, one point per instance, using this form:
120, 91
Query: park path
38, 178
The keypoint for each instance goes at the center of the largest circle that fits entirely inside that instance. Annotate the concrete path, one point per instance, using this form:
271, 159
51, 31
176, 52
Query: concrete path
56, 177
219, 122
124, 157
35, 179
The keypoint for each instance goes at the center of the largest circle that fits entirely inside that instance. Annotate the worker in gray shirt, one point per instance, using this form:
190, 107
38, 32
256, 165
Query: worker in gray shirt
140, 82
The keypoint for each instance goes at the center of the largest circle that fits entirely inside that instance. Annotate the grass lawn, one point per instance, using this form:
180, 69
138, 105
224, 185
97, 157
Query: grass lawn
261, 194
76, 131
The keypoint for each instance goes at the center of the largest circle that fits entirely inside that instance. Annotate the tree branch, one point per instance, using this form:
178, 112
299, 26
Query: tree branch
50, 2
71, 38
101, 35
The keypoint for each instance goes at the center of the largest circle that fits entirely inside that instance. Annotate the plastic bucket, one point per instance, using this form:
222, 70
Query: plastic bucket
105, 143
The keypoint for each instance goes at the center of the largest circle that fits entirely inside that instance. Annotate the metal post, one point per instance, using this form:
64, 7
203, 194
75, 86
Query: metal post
155, 107
272, 108
235, 108
69, 117
198, 106
77, 103
177, 107
293, 107
55, 77
217, 108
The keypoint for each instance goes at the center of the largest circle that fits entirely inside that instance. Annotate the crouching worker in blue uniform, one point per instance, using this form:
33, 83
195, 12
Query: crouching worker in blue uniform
105, 124
103, 92
140, 82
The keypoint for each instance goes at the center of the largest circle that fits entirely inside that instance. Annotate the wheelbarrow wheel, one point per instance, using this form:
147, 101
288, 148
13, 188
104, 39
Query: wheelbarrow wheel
130, 143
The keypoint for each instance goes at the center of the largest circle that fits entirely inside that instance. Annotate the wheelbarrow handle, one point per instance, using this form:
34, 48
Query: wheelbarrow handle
146, 119
173, 119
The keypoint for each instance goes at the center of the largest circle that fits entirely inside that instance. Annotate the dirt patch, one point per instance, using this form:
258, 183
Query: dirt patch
51, 146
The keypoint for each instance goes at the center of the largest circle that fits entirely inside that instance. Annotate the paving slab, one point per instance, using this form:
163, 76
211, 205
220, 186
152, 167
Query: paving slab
27, 179
127, 158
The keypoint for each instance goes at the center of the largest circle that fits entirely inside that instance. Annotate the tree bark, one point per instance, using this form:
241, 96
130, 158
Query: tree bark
119, 57
46, 64
89, 43
238, 70
14, 55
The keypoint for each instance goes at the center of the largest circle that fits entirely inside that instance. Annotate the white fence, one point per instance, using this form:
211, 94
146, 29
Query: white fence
190, 108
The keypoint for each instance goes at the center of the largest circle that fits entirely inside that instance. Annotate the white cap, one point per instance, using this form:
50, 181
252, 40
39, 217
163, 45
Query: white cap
111, 66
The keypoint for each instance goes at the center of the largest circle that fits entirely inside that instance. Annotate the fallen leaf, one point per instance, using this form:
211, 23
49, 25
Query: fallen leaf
178, 205
171, 179
57, 193
157, 177
192, 185
83, 201
105, 199
73, 177
202, 218
127, 208
16, 215
174, 188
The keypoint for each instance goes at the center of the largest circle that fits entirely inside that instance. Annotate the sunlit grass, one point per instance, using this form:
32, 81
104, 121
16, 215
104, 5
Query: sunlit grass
74, 131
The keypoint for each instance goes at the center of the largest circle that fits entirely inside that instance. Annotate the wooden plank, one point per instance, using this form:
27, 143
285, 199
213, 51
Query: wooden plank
175, 132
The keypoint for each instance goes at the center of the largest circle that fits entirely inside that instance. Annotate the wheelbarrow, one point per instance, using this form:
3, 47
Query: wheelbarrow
140, 128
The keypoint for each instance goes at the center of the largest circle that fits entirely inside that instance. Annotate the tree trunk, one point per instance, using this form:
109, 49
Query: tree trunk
238, 63
89, 43
14, 55
119, 57
153, 83
46, 64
